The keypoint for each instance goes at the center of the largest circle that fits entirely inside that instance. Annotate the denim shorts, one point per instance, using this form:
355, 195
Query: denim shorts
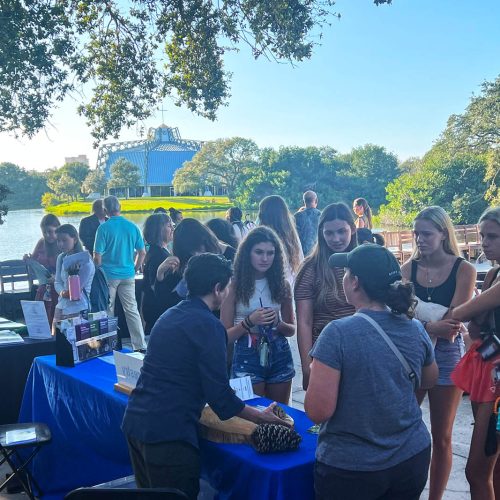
448, 355
279, 367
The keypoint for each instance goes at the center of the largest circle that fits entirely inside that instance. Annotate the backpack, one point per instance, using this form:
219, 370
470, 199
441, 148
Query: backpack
99, 292
248, 224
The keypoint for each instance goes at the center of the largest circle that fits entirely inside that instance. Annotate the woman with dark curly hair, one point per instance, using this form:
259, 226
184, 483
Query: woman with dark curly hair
258, 315
274, 213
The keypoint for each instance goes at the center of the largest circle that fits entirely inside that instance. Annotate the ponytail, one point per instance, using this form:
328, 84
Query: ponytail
399, 297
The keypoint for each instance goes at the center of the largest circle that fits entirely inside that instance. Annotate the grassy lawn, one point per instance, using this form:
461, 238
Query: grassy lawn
185, 203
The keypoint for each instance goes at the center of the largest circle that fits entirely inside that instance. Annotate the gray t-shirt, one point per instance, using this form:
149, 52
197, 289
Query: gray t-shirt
377, 423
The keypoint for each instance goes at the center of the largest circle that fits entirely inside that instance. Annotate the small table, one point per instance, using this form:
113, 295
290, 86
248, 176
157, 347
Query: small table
15, 364
84, 414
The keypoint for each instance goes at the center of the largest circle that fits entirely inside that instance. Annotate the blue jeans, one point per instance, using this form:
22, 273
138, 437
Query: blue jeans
279, 367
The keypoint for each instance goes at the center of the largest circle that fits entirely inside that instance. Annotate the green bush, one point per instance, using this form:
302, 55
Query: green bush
50, 200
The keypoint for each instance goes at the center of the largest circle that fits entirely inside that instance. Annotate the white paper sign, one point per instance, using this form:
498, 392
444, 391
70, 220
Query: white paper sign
35, 317
243, 387
128, 367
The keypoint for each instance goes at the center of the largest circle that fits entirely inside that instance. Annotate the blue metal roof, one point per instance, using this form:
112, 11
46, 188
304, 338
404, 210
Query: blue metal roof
164, 150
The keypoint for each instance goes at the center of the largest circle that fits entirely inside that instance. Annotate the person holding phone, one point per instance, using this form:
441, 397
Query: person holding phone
258, 315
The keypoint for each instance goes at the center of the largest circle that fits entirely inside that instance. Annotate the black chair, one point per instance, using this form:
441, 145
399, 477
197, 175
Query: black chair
126, 494
14, 437
16, 284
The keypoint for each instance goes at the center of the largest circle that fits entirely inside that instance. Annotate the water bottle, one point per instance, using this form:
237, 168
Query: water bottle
74, 287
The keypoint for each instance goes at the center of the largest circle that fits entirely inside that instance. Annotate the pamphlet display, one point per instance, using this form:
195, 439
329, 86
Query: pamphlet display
79, 339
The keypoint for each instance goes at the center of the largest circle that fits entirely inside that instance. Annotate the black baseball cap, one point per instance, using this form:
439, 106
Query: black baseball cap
373, 264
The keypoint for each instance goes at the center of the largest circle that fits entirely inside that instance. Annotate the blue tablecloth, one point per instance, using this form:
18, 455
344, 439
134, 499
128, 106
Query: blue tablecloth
84, 414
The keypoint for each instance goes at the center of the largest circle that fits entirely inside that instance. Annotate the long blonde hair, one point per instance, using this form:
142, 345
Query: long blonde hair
442, 222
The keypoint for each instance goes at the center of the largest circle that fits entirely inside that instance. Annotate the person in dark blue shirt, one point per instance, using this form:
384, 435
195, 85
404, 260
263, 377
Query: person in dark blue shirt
184, 368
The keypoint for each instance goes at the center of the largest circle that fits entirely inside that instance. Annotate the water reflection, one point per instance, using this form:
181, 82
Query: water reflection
21, 230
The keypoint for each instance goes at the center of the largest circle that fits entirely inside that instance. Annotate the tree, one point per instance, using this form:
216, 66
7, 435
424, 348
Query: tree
369, 169
224, 162
26, 186
456, 184
95, 182
124, 174
132, 54
66, 182
477, 131
4, 192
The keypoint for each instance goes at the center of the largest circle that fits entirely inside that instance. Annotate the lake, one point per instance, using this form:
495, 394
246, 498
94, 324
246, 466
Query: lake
21, 229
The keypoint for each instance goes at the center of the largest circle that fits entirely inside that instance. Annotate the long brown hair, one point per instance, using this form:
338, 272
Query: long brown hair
274, 213
321, 251
191, 236
361, 202
50, 220
244, 273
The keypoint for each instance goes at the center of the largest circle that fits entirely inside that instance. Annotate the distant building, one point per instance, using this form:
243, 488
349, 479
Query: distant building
77, 159
158, 157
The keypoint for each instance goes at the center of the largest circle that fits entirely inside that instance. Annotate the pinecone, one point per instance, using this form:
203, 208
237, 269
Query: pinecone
268, 438
279, 412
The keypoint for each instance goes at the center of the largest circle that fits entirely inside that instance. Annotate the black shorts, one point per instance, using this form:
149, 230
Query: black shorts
404, 481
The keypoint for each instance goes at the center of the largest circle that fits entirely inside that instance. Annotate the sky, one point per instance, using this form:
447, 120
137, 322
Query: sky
389, 75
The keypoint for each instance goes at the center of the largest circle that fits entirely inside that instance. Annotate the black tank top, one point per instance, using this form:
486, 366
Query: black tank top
442, 294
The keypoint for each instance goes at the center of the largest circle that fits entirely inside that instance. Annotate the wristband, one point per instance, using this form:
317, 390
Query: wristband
248, 322
245, 327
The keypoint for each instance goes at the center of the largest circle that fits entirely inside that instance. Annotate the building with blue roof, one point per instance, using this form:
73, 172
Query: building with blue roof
158, 157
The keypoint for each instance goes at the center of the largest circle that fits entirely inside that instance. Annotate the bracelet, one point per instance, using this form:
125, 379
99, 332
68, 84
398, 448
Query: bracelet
245, 327
248, 322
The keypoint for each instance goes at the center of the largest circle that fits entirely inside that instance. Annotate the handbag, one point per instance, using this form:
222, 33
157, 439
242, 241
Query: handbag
411, 373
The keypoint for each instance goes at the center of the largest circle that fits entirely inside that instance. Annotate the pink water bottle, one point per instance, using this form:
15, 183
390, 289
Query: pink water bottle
74, 287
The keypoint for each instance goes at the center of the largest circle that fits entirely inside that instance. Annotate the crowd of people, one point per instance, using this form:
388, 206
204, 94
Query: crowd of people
369, 354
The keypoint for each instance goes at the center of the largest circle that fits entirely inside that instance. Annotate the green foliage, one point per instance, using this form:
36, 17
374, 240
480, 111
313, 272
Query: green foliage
124, 174
95, 182
459, 173
477, 131
26, 186
49, 200
66, 182
224, 162
132, 54
4, 192
456, 184
289, 172
250, 174
368, 170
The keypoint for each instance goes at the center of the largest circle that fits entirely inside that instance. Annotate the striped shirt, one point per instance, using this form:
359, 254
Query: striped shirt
307, 287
